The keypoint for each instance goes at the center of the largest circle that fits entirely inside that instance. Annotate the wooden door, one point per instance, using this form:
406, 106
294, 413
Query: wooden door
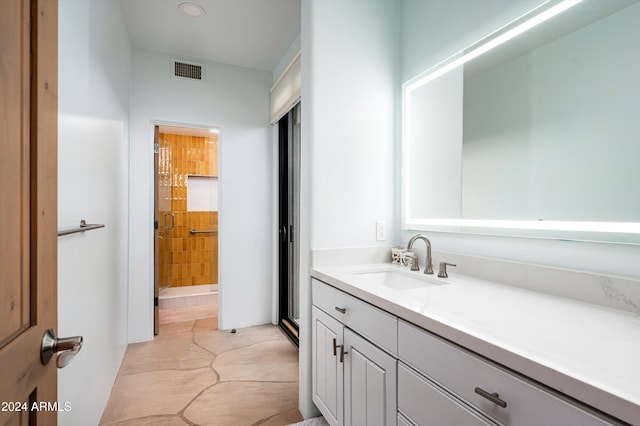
327, 372
369, 383
28, 209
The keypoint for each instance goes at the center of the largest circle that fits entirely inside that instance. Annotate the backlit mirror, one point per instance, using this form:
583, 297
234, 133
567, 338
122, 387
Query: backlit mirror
532, 131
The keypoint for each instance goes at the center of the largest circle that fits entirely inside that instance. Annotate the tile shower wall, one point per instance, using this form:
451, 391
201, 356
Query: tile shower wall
186, 259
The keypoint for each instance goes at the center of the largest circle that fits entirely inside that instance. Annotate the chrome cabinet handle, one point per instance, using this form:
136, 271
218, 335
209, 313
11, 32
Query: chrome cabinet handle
342, 354
66, 348
335, 349
493, 397
341, 310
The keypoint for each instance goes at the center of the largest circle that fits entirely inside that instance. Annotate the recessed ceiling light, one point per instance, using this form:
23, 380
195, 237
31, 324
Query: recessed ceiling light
191, 9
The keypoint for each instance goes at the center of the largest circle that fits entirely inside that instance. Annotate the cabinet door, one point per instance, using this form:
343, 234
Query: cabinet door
369, 383
327, 374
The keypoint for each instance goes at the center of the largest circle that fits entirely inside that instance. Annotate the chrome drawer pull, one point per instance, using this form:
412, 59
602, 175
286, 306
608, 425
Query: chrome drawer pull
335, 350
493, 397
341, 310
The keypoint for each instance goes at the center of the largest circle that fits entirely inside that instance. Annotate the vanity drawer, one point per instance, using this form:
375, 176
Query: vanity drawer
465, 374
376, 325
425, 404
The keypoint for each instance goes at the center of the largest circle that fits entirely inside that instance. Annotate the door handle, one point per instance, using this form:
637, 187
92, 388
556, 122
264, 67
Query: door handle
173, 221
66, 348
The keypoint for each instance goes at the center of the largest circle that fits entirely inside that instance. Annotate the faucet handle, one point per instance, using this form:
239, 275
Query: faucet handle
442, 270
414, 262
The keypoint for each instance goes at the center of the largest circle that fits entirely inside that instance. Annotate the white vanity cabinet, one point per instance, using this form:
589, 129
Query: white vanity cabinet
373, 368
355, 384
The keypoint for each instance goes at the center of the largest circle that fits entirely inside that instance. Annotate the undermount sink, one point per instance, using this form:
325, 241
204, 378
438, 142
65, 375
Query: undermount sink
400, 280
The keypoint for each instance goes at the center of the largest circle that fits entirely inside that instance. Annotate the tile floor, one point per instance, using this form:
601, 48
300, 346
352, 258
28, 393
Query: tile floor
188, 303
194, 374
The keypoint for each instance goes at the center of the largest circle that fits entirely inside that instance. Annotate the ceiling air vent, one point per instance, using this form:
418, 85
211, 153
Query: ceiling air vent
190, 70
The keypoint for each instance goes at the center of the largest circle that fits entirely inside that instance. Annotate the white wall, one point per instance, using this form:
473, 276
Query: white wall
286, 58
349, 68
93, 102
353, 84
433, 30
236, 100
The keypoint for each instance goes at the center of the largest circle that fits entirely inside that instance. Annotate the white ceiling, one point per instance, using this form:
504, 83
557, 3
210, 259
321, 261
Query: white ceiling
247, 33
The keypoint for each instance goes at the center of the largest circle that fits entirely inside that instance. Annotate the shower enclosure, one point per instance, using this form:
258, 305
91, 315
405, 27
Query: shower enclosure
186, 209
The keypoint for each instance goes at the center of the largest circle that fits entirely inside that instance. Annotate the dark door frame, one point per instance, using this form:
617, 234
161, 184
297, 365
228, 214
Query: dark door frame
286, 223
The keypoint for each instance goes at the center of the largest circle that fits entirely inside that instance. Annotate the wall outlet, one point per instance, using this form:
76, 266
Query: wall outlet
381, 230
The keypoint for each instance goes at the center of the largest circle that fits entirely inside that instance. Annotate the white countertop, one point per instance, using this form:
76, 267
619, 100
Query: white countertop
589, 352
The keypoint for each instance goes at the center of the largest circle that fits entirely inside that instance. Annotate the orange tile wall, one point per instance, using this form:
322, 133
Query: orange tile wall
187, 259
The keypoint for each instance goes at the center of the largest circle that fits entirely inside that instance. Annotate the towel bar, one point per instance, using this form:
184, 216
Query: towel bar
84, 226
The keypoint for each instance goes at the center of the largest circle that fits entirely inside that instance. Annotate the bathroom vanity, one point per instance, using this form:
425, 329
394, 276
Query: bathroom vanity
510, 136
393, 346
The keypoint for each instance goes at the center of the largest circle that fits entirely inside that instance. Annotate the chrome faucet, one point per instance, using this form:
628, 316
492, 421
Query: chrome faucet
428, 269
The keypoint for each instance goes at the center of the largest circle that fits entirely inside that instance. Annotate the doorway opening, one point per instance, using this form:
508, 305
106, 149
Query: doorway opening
185, 224
288, 222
